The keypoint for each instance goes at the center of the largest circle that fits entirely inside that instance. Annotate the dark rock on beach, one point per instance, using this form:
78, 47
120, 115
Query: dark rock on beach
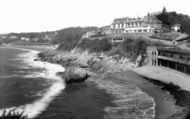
74, 75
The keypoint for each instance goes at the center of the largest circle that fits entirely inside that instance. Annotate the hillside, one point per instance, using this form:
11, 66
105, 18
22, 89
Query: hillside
173, 18
54, 37
71, 34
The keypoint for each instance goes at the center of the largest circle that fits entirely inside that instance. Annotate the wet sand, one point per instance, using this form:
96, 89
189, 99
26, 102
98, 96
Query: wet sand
166, 107
175, 82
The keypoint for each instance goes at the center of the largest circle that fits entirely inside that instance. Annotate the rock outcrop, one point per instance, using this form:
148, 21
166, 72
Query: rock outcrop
74, 75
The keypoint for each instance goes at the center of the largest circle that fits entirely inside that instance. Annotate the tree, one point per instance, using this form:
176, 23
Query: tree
172, 18
164, 10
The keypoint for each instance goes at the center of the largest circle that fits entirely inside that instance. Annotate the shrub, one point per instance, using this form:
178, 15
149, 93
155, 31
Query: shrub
96, 45
134, 47
69, 43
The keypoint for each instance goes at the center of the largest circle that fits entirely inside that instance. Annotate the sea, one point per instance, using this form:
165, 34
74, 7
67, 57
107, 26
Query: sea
32, 87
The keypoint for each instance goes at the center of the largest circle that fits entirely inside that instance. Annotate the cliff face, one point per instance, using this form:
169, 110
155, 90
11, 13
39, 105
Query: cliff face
130, 48
81, 64
97, 56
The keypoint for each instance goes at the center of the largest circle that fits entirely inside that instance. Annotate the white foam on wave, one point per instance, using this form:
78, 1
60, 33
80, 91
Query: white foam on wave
34, 109
8, 76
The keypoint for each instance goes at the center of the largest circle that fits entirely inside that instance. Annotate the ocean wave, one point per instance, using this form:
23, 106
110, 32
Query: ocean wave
32, 110
8, 76
130, 101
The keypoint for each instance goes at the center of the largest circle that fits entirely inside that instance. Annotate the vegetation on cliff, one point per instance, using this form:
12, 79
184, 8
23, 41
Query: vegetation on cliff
95, 45
172, 18
70, 36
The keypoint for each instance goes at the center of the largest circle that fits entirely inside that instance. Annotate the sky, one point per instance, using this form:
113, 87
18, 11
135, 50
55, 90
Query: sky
50, 15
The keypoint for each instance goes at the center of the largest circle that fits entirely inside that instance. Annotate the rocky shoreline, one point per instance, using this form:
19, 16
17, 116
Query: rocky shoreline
81, 66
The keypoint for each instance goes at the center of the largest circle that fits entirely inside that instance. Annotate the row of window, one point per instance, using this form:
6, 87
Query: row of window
140, 31
134, 31
178, 56
174, 65
126, 25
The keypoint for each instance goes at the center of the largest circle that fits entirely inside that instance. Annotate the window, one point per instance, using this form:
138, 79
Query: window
122, 25
152, 62
140, 30
137, 23
140, 23
153, 52
116, 26
145, 30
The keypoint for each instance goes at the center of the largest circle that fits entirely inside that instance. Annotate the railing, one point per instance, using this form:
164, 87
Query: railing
174, 59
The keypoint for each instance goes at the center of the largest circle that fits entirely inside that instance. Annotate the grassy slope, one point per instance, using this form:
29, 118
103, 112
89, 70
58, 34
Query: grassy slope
68, 38
95, 45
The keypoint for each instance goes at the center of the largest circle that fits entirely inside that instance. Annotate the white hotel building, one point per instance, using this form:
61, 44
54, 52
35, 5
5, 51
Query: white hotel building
147, 24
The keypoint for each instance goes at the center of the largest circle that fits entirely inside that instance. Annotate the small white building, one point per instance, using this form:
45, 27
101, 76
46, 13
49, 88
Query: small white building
117, 40
176, 27
88, 34
25, 39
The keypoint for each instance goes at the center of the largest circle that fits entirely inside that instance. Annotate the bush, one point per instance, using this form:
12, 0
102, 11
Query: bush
172, 18
95, 45
64, 35
134, 47
70, 42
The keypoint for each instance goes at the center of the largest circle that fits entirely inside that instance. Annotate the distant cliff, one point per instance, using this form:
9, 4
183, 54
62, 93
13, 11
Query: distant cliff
54, 37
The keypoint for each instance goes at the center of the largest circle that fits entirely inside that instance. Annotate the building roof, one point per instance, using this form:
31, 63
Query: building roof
150, 18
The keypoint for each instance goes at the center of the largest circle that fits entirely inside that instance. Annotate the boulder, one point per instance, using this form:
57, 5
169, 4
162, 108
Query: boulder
74, 75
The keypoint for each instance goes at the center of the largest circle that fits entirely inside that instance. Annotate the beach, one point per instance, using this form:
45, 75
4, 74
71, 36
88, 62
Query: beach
165, 103
176, 83
165, 75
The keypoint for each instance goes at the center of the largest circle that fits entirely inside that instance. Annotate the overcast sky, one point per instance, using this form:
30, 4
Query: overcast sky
48, 15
